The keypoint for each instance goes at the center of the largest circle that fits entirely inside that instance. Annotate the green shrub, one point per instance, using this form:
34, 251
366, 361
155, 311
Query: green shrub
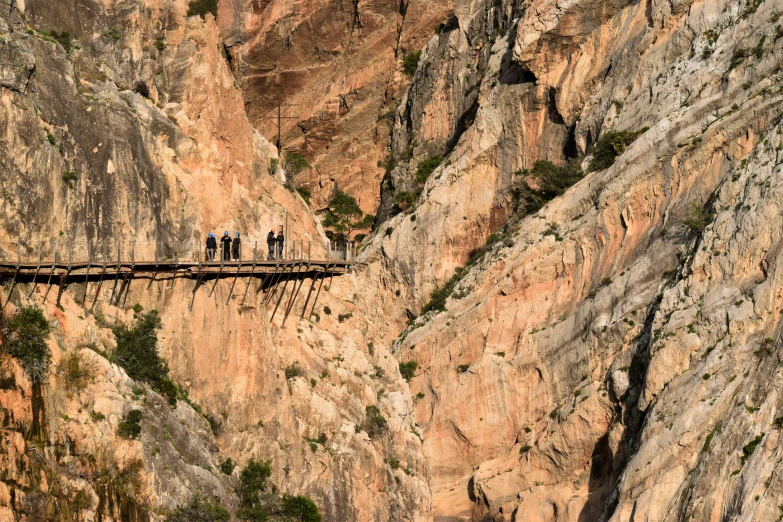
160, 44
750, 447
393, 463
552, 181
293, 370
51, 139
344, 317
114, 34
697, 219
227, 466
77, 373
63, 38
374, 423
462, 368
524, 449
252, 482
305, 193
295, 163
610, 145
202, 7
201, 509
410, 62
29, 332
327, 310
299, 509
408, 369
137, 353
130, 426
426, 168
405, 199
69, 177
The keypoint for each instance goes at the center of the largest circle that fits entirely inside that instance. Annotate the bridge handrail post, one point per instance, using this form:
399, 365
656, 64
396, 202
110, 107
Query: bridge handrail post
18, 255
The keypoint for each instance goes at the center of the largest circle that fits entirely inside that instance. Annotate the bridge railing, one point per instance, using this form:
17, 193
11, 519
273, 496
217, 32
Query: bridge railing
65, 252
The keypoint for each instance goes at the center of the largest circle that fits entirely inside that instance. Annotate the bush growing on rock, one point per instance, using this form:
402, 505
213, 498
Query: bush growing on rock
295, 163
426, 168
202, 7
29, 332
343, 216
130, 426
259, 503
552, 181
137, 353
227, 466
611, 145
293, 370
410, 62
408, 369
374, 423
697, 219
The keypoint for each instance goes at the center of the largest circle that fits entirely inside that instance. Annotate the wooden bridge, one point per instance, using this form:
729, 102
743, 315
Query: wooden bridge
270, 276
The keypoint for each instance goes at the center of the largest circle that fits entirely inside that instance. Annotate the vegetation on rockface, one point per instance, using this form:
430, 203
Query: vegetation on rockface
259, 502
552, 181
63, 38
426, 168
305, 193
143, 89
410, 62
77, 372
344, 215
130, 426
408, 369
697, 219
29, 332
610, 145
202, 7
405, 199
201, 509
137, 353
295, 163
374, 423
69, 177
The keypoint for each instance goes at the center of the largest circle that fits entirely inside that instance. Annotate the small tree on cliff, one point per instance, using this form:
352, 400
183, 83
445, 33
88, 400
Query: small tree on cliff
344, 215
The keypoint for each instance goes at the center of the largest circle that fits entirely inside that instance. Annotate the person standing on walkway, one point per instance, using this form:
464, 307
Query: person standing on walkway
270, 243
211, 246
280, 243
225, 244
236, 246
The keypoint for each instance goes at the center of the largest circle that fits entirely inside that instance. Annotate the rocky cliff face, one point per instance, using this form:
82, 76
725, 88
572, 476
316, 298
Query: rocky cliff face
611, 356
339, 65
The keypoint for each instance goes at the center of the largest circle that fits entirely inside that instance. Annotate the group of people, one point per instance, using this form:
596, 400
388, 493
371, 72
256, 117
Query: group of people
232, 248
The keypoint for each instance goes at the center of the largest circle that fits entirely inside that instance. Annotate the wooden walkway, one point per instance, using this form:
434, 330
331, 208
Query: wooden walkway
270, 275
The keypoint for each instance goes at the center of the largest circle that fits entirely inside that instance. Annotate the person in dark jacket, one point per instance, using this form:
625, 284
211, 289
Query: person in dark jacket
280, 241
211, 246
225, 244
236, 247
270, 243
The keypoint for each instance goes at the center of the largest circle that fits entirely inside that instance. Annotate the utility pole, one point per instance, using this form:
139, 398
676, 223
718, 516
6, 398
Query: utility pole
277, 120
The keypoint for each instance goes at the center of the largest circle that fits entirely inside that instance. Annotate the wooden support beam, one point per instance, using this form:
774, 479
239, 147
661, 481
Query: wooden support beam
54, 263
87, 277
199, 280
294, 294
315, 300
35, 276
117, 277
222, 261
250, 277
236, 276
63, 278
307, 301
100, 283
282, 293
273, 285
